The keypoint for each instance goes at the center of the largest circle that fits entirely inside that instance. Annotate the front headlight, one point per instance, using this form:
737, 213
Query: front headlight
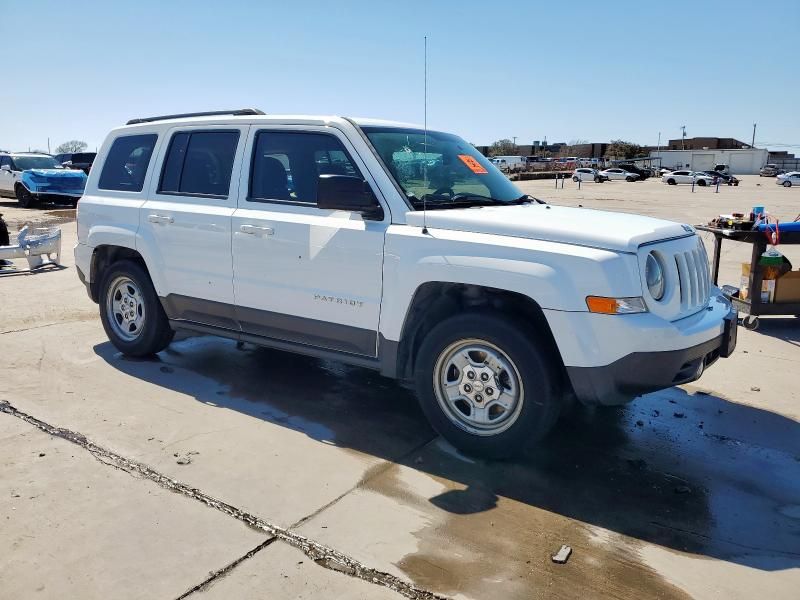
654, 276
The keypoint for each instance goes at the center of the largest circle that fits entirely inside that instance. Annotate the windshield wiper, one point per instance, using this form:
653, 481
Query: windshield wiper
464, 199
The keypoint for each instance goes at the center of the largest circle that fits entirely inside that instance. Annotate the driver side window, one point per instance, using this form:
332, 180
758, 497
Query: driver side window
286, 165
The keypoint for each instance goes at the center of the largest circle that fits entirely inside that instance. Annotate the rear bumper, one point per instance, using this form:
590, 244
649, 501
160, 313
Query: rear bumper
644, 372
83, 260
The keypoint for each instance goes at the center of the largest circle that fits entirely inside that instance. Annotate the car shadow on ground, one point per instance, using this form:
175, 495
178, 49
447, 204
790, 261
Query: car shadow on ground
691, 472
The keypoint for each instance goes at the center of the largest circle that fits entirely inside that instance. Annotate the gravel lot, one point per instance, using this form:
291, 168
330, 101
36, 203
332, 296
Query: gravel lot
217, 471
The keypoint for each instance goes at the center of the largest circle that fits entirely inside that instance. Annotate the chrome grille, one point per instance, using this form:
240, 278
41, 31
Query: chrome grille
693, 277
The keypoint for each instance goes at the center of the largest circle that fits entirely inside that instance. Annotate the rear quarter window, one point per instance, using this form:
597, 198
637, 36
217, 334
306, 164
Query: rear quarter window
199, 163
126, 165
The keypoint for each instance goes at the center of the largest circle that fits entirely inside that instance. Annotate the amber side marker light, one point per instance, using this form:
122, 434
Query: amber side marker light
615, 306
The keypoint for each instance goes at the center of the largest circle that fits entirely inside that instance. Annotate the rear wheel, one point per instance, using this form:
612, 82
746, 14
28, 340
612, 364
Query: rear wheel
131, 312
487, 385
24, 197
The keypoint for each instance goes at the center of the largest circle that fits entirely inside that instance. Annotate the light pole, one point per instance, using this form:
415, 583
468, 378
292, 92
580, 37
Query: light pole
753, 144
658, 150
683, 137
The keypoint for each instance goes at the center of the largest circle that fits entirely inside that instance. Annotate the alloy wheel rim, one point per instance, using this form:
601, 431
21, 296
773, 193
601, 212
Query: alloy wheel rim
478, 387
125, 308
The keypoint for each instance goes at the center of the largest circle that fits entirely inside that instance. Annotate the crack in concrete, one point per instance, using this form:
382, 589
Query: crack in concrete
32, 327
319, 553
226, 569
724, 541
385, 465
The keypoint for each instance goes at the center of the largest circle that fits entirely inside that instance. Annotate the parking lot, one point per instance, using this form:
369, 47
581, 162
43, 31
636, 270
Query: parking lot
219, 470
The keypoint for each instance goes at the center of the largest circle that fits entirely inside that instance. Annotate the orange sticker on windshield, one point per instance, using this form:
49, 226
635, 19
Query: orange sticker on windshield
473, 164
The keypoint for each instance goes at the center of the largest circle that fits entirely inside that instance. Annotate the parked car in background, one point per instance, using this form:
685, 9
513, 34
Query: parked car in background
769, 170
586, 174
32, 178
510, 163
697, 177
619, 173
631, 168
788, 179
77, 160
723, 169
725, 178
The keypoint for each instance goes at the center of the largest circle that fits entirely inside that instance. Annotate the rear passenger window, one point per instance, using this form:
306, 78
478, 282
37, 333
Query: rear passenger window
126, 164
199, 163
287, 165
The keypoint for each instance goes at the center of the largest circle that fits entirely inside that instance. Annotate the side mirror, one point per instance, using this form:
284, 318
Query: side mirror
344, 192
5, 168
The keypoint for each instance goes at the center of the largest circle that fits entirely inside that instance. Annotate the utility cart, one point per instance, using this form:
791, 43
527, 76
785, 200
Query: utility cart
753, 306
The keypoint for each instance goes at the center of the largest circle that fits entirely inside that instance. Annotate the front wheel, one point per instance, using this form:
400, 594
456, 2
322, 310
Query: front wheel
487, 385
702, 183
598, 180
575, 179
24, 197
131, 312
787, 184
671, 182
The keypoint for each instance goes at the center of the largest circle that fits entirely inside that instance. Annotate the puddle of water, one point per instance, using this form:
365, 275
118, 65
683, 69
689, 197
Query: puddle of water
37, 218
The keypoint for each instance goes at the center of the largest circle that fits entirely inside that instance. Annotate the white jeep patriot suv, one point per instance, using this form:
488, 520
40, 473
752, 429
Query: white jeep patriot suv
386, 246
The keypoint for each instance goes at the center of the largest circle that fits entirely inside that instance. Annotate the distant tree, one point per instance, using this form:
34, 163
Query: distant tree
623, 149
503, 147
40, 151
71, 146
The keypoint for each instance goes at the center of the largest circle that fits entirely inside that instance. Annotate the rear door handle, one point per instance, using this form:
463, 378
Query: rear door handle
255, 230
162, 219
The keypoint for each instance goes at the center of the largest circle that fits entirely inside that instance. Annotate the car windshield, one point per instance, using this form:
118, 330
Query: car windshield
23, 163
440, 169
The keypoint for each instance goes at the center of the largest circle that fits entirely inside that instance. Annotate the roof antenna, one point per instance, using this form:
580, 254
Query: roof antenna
425, 145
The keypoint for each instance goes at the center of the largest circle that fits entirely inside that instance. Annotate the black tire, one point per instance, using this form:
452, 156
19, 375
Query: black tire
155, 334
787, 184
629, 179
750, 322
575, 179
598, 179
671, 182
24, 197
702, 183
537, 372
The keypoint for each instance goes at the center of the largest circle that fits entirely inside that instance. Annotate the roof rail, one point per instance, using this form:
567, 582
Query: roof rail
213, 113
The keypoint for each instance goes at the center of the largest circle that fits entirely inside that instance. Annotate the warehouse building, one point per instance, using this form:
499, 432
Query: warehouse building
745, 161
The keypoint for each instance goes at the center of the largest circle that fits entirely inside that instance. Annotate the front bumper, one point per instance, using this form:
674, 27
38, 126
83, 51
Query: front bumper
611, 359
644, 372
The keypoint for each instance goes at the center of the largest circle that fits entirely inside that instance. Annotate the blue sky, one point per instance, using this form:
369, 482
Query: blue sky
576, 70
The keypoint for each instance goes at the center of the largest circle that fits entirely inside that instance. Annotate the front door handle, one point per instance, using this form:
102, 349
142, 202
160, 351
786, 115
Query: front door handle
255, 230
162, 219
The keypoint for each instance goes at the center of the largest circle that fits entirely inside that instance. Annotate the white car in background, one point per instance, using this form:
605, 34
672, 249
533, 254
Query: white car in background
586, 174
677, 177
788, 179
620, 174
